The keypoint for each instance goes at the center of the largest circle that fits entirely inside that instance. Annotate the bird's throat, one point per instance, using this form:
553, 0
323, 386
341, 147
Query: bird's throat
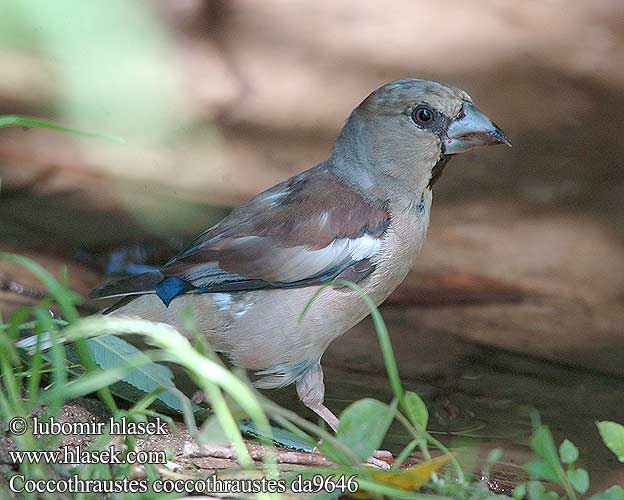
438, 168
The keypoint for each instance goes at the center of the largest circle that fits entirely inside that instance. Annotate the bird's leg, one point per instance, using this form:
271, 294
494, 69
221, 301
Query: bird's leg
311, 391
325, 413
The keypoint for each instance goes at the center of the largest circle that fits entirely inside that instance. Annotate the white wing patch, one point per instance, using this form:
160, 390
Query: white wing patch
285, 264
299, 263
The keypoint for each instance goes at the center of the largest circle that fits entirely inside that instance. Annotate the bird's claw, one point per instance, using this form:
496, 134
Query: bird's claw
381, 459
376, 462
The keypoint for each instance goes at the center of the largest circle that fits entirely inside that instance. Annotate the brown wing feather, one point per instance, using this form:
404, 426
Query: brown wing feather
307, 212
306, 230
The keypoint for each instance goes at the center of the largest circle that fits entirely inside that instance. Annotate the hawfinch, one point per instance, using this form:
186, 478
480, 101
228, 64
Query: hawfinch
361, 215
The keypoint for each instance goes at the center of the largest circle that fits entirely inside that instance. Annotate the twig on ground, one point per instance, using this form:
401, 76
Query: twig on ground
257, 453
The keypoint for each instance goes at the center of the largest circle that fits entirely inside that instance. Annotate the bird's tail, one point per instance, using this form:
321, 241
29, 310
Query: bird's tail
132, 285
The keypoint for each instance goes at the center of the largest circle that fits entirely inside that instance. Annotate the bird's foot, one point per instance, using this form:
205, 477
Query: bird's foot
382, 459
383, 455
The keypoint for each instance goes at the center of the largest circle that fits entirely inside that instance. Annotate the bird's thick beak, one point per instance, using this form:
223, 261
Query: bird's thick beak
472, 130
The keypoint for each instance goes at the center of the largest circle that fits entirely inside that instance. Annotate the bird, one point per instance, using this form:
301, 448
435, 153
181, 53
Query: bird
361, 215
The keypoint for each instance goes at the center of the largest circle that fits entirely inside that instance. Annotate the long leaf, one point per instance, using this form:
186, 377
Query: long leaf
32, 122
113, 352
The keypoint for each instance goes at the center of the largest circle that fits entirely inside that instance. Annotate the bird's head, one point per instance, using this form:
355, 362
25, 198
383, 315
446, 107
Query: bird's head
403, 133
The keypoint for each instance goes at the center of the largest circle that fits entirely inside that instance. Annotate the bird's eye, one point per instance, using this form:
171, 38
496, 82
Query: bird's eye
423, 115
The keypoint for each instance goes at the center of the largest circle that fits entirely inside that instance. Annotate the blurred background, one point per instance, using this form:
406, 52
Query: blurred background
518, 297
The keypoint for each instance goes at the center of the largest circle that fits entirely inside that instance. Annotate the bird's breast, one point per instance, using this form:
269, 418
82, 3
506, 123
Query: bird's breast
404, 239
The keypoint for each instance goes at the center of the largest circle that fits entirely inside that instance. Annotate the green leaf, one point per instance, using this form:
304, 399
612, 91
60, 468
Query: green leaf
536, 418
211, 432
363, 425
31, 122
544, 447
541, 470
519, 492
568, 452
613, 493
579, 479
89, 383
536, 491
613, 436
415, 409
109, 351
494, 456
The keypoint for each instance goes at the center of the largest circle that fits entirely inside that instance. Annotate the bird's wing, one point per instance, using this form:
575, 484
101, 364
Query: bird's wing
307, 230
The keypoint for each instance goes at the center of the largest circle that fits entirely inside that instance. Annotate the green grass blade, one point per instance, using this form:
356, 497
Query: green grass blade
32, 122
58, 357
66, 299
380, 327
178, 349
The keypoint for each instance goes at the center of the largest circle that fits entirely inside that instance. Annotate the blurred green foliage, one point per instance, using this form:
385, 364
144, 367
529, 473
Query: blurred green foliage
110, 60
